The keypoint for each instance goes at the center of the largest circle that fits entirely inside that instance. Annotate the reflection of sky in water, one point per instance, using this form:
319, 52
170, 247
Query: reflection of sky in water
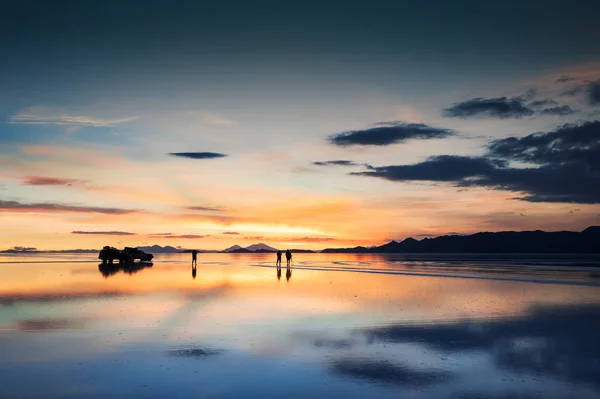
68, 330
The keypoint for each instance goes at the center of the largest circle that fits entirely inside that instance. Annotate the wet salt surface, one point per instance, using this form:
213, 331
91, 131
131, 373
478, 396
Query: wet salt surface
342, 325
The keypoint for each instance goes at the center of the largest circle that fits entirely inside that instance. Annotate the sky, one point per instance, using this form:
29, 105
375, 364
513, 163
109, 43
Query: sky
297, 124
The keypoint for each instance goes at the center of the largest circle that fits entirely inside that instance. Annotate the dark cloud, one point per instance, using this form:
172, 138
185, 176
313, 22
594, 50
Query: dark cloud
337, 163
104, 233
15, 206
437, 168
49, 181
501, 107
231, 233
564, 79
182, 236
567, 144
541, 103
385, 372
386, 133
593, 92
342, 163
567, 166
197, 155
559, 110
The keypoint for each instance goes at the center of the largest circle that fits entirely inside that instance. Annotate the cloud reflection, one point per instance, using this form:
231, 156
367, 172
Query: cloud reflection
389, 373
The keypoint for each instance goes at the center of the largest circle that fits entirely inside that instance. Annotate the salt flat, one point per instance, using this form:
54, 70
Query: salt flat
422, 326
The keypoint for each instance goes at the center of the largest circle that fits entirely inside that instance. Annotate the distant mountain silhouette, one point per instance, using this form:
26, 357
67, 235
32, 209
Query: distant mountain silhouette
587, 241
157, 249
240, 251
55, 251
261, 247
233, 248
257, 248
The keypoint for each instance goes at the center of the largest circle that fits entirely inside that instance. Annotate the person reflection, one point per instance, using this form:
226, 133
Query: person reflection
278, 272
288, 256
288, 273
194, 272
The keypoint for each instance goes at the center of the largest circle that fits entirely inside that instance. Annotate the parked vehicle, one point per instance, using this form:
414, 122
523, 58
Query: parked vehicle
128, 254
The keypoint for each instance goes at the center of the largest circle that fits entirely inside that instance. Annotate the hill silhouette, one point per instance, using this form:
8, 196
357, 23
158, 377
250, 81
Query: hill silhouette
586, 241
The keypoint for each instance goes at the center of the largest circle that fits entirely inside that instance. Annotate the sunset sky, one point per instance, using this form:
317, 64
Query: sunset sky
297, 124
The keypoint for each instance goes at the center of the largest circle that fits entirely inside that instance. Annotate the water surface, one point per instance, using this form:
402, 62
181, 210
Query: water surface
418, 326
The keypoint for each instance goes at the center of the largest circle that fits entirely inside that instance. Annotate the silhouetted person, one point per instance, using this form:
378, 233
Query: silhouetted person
288, 256
194, 272
278, 263
194, 257
288, 273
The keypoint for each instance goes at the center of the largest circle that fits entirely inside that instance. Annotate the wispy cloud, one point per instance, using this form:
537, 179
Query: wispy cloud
204, 209
49, 181
231, 233
15, 206
198, 155
180, 236
103, 233
342, 163
40, 115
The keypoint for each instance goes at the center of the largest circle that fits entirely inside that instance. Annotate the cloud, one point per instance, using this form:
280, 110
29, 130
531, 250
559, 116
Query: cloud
104, 233
567, 166
231, 233
336, 163
560, 110
204, 209
342, 163
49, 181
564, 79
197, 155
593, 92
40, 115
541, 103
180, 236
386, 133
15, 206
501, 107
437, 168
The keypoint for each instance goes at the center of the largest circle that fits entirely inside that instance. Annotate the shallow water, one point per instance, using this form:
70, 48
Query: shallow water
417, 326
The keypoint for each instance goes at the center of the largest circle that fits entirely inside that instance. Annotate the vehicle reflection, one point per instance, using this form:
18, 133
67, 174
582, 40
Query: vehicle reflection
130, 268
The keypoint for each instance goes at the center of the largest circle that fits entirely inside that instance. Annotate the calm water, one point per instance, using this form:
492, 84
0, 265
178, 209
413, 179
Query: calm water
331, 326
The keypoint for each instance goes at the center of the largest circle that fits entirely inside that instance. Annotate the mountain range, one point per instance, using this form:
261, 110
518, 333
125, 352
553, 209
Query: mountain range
252, 248
586, 241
